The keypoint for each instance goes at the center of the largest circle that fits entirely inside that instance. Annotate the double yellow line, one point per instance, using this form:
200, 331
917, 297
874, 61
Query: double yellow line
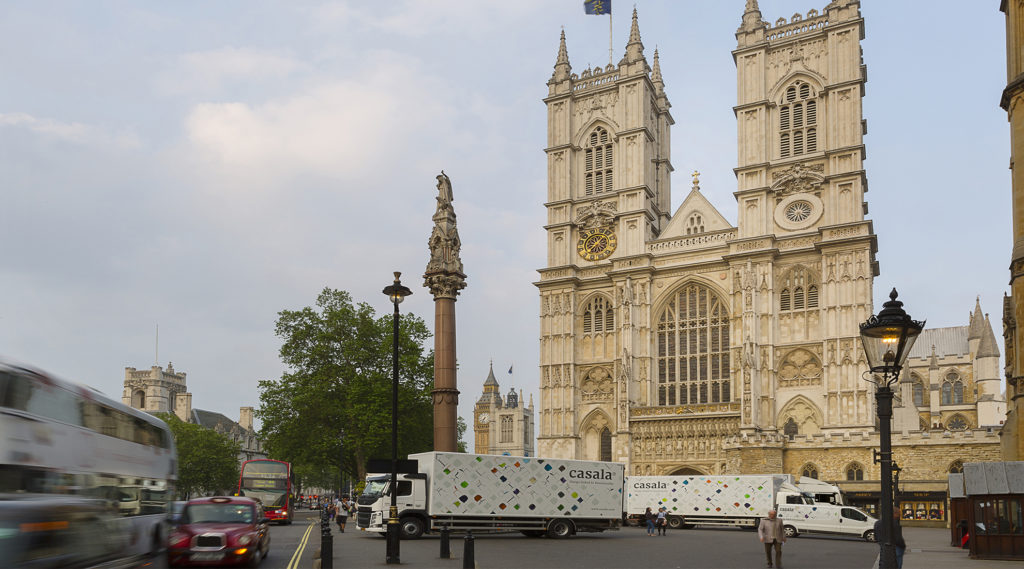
297, 556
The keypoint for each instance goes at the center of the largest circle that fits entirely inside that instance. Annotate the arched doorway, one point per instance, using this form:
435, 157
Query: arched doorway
687, 471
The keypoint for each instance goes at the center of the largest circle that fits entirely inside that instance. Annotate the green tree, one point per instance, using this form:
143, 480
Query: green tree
334, 402
207, 460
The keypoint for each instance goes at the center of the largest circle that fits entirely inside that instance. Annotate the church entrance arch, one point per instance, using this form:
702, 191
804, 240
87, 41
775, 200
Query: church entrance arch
686, 471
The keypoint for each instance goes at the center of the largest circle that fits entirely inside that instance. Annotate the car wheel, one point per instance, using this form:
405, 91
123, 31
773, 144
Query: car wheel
559, 528
869, 535
412, 528
790, 531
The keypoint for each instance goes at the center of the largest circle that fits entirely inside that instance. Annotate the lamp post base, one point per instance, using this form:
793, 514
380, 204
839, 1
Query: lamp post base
393, 537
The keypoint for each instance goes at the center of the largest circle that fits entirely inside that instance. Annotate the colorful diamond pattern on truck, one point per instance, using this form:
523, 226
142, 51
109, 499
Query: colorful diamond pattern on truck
468, 484
724, 496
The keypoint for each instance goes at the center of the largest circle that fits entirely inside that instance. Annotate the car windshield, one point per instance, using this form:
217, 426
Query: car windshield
218, 513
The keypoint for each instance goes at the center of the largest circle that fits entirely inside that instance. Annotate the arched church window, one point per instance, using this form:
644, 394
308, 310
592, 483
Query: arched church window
139, 399
695, 224
598, 160
598, 316
798, 117
693, 348
785, 300
854, 471
952, 389
918, 388
810, 471
956, 467
798, 297
606, 445
790, 429
956, 423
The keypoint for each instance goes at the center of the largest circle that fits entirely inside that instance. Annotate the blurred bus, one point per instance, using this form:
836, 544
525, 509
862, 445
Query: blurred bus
270, 482
74, 463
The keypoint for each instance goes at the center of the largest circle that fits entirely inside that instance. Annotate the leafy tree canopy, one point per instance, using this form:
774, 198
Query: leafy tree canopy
334, 402
207, 460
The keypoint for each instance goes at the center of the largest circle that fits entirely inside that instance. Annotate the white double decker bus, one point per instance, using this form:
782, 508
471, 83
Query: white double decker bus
84, 479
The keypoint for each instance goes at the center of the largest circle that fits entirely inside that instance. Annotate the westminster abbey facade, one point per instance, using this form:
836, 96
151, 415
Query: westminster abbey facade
676, 342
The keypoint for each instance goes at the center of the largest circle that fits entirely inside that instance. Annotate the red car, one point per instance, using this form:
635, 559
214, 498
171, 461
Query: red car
219, 531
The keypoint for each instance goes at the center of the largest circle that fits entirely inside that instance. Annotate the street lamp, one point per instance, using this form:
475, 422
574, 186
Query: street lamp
887, 340
396, 292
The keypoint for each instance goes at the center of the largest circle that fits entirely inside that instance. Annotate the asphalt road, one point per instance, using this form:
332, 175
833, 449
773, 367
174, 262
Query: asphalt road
293, 547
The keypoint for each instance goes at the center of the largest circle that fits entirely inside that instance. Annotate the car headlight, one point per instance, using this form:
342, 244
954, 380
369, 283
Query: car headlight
244, 540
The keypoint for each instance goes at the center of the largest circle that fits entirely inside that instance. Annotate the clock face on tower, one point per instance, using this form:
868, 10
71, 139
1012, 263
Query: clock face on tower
484, 418
596, 244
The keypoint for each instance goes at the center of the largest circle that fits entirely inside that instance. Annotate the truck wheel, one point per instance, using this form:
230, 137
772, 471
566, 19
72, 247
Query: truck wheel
559, 528
675, 522
869, 535
412, 528
790, 531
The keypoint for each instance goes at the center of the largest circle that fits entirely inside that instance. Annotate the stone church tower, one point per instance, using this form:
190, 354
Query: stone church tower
662, 336
502, 425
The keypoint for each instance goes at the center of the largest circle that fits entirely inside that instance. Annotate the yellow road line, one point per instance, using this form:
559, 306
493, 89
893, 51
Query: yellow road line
297, 556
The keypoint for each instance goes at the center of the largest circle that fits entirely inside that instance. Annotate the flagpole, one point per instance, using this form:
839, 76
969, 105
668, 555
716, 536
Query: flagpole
609, 38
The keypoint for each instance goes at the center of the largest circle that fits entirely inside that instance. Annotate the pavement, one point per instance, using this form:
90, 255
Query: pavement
928, 548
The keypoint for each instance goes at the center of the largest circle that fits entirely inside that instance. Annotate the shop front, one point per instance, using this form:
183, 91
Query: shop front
916, 508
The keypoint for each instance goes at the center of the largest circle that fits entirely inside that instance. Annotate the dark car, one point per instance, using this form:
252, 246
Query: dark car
220, 531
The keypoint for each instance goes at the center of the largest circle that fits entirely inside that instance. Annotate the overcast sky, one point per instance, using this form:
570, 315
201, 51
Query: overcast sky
204, 165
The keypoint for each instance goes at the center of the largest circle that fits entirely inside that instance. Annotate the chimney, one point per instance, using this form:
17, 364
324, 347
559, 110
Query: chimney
245, 418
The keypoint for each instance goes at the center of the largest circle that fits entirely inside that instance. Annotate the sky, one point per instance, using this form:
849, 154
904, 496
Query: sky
199, 167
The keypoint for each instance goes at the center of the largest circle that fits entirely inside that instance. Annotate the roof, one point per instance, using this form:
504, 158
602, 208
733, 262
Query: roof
950, 341
216, 421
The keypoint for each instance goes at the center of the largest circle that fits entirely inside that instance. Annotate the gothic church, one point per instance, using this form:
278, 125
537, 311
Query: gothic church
676, 342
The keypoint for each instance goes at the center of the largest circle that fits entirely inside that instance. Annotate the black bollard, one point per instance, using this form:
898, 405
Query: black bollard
326, 542
468, 561
446, 548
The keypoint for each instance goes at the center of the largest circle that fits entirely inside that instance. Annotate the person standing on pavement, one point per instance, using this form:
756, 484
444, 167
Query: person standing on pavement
772, 535
649, 520
662, 521
341, 508
898, 543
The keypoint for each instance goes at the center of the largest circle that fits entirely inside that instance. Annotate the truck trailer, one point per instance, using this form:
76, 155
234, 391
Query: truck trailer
536, 496
738, 500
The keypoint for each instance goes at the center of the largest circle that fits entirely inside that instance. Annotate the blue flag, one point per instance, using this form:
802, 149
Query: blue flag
598, 7
510, 370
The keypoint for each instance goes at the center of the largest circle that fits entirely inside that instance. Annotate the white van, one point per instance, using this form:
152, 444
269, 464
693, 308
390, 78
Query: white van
825, 518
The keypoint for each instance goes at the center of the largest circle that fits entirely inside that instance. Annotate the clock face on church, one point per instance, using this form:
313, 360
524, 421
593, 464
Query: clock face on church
484, 418
596, 244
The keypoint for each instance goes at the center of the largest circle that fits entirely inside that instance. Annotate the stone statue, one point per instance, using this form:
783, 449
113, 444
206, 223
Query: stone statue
444, 191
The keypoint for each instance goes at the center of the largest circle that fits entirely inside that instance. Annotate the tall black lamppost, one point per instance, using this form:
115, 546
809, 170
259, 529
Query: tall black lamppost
396, 292
887, 340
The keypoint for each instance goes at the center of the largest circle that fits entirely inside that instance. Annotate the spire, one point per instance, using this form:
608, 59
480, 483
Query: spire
635, 48
659, 84
752, 17
976, 329
988, 346
562, 67
490, 377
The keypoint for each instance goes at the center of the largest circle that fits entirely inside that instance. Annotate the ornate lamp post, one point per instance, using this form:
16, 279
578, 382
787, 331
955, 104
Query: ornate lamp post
887, 340
397, 293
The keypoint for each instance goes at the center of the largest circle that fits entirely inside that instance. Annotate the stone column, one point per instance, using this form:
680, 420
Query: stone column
444, 278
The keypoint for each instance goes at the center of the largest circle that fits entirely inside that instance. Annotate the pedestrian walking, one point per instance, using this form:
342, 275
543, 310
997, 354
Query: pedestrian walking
772, 535
897, 541
662, 521
341, 509
649, 518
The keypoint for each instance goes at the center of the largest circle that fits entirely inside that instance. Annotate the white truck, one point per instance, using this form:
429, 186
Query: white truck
535, 496
721, 500
826, 518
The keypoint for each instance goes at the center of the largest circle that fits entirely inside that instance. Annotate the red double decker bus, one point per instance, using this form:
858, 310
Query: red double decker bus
270, 482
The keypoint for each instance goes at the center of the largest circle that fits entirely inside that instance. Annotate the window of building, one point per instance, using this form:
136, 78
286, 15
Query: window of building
855, 472
918, 388
606, 445
598, 316
597, 171
956, 423
798, 117
506, 429
957, 466
799, 291
952, 389
695, 224
810, 471
693, 348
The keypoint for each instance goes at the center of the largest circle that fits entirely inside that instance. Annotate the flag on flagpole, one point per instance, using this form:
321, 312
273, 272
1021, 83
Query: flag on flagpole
598, 7
510, 370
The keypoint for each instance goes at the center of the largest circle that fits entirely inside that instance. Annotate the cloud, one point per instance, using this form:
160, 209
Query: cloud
73, 132
215, 70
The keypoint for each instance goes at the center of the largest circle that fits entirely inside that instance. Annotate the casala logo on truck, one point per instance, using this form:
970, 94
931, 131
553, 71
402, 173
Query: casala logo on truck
591, 474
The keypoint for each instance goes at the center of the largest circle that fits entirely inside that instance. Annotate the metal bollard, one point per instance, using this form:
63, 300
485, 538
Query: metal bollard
446, 548
468, 561
326, 542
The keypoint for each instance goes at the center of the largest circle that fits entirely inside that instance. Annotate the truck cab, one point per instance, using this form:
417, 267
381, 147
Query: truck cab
822, 492
374, 504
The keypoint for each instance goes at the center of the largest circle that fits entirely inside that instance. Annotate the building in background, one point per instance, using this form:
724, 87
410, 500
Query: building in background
502, 425
678, 343
156, 390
